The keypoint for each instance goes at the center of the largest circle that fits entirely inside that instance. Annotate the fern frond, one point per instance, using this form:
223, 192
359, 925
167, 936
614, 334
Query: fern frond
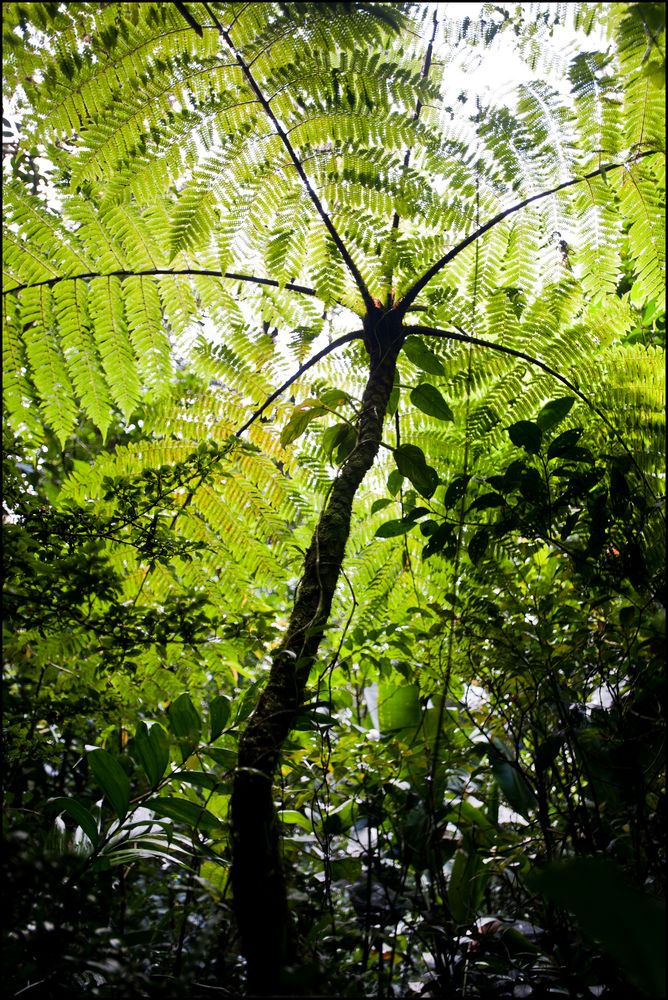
642, 202
71, 311
48, 369
110, 330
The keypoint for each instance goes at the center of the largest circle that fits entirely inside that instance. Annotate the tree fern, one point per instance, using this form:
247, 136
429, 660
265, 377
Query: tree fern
251, 206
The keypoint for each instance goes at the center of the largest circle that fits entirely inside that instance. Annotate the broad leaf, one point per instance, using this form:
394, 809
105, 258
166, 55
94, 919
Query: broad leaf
334, 437
514, 786
466, 886
428, 399
441, 538
185, 723
412, 464
394, 482
629, 925
79, 813
422, 356
487, 501
302, 416
553, 412
199, 779
398, 707
478, 545
563, 444
151, 747
456, 490
111, 778
221, 755
393, 528
185, 811
296, 818
527, 435
219, 713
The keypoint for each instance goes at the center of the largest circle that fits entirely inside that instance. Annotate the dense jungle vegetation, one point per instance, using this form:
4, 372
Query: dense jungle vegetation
333, 508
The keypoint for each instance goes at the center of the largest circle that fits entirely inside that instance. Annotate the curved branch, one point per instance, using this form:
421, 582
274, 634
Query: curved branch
428, 331
346, 339
282, 134
415, 290
290, 286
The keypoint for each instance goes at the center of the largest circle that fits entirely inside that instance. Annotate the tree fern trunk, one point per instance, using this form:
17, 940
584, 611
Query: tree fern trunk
258, 881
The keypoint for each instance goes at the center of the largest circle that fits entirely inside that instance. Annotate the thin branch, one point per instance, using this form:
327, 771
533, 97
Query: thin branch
428, 331
289, 286
346, 339
280, 131
417, 287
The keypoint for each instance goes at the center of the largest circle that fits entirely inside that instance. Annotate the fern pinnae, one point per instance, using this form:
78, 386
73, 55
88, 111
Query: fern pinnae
17, 392
72, 315
47, 364
113, 342
150, 344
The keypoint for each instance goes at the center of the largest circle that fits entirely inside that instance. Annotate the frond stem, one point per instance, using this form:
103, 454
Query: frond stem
417, 287
124, 273
280, 131
426, 65
346, 339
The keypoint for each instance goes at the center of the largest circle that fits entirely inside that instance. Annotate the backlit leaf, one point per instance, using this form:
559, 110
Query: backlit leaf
428, 399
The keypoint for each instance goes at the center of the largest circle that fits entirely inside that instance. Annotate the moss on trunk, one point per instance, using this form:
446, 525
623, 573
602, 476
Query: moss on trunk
258, 880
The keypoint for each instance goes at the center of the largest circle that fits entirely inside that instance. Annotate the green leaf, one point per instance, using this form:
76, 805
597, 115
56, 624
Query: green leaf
297, 818
417, 512
422, 357
465, 814
564, 443
532, 486
216, 875
393, 528
620, 493
349, 869
219, 713
478, 545
394, 481
302, 415
185, 723
112, 779
345, 445
334, 436
200, 779
398, 707
554, 412
393, 401
428, 399
333, 397
412, 464
527, 435
440, 538
380, 504
187, 812
151, 747
466, 886
629, 925
456, 490
514, 785
79, 814
226, 758
487, 501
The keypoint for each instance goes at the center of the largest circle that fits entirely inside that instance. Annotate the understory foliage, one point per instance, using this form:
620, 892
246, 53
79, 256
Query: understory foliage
225, 224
